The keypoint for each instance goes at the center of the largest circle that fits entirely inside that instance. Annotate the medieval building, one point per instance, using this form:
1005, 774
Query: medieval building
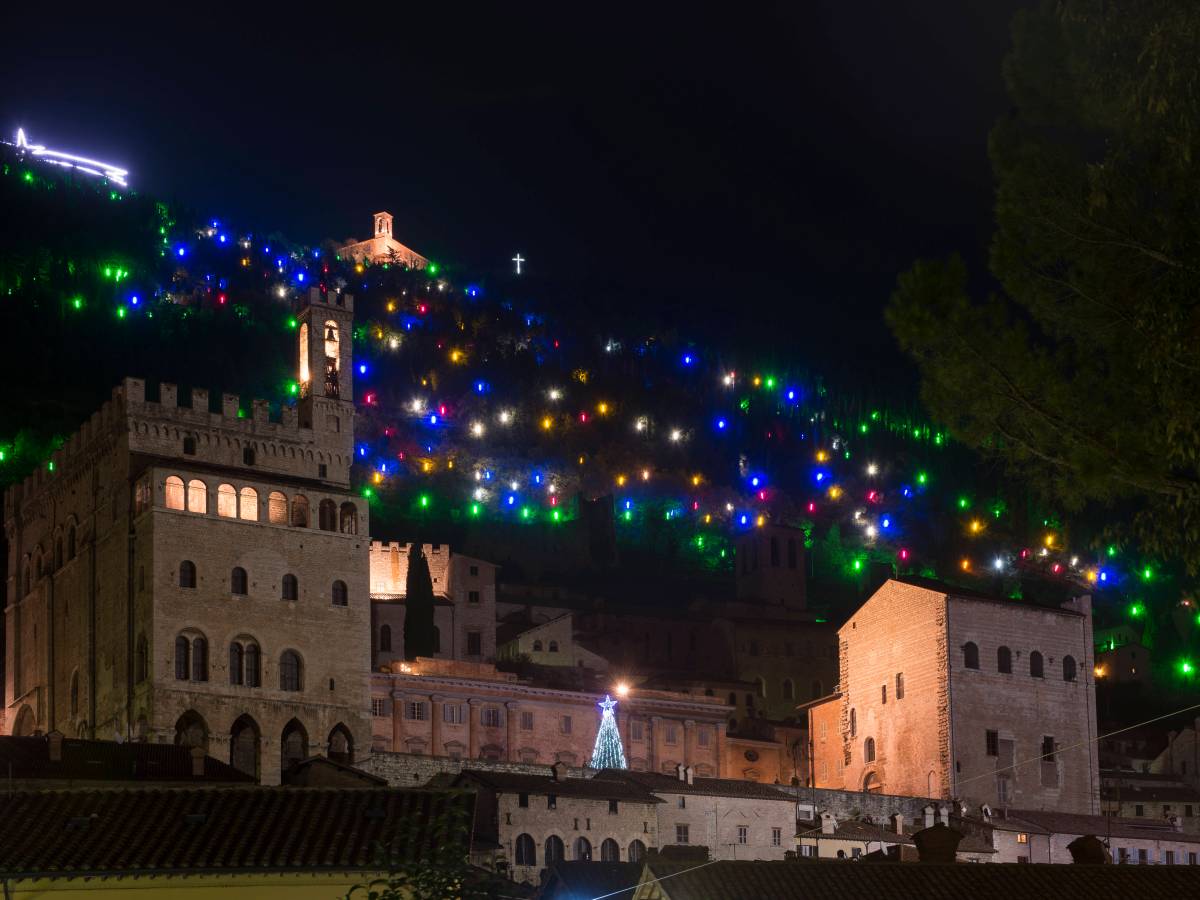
198, 576
381, 247
945, 693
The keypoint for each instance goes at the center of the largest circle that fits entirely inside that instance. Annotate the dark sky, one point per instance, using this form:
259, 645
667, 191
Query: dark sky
766, 172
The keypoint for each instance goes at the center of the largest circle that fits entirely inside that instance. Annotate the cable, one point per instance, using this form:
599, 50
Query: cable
1094, 740
656, 880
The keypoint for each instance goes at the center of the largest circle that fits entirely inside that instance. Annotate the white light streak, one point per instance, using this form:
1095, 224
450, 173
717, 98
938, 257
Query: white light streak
71, 161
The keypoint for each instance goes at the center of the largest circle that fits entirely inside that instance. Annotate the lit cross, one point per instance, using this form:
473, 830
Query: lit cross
518, 260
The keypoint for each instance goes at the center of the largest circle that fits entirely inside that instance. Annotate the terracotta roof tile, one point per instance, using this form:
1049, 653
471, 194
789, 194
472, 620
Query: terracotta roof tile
593, 788
719, 787
837, 880
247, 829
28, 759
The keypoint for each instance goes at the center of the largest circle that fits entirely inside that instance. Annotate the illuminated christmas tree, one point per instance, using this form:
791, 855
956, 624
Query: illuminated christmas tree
607, 753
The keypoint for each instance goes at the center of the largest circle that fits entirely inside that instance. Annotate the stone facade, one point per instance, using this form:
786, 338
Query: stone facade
769, 563
460, 710
464, 592
926, 708
181, 574
552, 644
382, 247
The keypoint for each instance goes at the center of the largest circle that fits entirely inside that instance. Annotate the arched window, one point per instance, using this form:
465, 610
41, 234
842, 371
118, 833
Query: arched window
58, 553
1068, 668
174, 492
1035, 665
349, 518
238, 582
305, 376
971, 655
327, 515
788, 691
610, 851
183, 666
385, 639
340, 597
853, 723
291, 587
187, 574
199, 659
869, 750
289, 671
248, 456
253, 665
293, 747
277, 508
341, 744
553, 648
71, 542
583, 849
526, 851
227, 501
248, 505
141, 663
554, 850
197, 496
299, 511
637, 851
75, 693
191, 731
537, 646
1004, 660
235, 663
243, 745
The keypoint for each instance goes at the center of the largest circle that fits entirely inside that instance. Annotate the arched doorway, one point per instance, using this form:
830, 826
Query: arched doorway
244, 744
191, 731
293, 745
25, 723
871, 783
341, 744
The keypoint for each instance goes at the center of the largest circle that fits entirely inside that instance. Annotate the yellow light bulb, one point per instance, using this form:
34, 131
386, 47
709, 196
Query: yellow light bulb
620, 481
645, 474
547, 422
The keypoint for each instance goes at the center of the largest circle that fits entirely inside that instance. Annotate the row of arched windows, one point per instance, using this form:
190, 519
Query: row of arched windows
233, 503
245, 662
245, 739
1004, 662
36, 566
525, 850
239, 584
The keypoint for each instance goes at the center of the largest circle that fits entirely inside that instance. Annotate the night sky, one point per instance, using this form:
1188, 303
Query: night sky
757, 175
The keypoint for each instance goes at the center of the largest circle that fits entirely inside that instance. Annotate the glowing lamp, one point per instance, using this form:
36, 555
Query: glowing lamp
903, 555
872, 469
721, 424
965, 565
645, 474
998, 564
362, 368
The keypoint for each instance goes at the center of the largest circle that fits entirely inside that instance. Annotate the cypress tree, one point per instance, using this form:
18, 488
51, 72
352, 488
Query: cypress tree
418, 607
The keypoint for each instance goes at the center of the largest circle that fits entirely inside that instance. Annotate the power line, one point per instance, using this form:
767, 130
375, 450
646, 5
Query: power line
655, 880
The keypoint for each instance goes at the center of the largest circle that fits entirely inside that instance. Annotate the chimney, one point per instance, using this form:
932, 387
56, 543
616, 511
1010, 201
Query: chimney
681, 771
54, 742
898, 823
927, 812
558, 771
828, 823
689, 774
937, 844
198, 757
1088, 850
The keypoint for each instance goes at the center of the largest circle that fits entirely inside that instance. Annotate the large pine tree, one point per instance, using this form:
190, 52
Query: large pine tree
418, 607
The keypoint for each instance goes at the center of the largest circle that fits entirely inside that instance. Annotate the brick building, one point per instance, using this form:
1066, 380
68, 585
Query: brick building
734, 819
462, 710
538, 820
182, 574
382, 247
464, 596
947, 693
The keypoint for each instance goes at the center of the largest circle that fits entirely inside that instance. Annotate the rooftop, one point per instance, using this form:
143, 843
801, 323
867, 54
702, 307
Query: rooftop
251, 829
1038, 820
592, 879
728, 880
28, 759
959, 593
713, 787
586, 788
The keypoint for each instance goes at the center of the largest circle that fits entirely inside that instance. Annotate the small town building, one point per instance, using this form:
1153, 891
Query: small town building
382, 247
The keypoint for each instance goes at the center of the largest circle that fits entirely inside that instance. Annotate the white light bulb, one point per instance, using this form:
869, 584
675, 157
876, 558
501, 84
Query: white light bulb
477, 429
872, 469
676, 435
998, 564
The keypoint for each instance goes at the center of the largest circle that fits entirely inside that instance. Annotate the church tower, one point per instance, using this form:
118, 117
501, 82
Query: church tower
326, 367
383, 225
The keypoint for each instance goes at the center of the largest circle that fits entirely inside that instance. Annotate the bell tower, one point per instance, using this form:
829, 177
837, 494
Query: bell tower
325, 371
383, 224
